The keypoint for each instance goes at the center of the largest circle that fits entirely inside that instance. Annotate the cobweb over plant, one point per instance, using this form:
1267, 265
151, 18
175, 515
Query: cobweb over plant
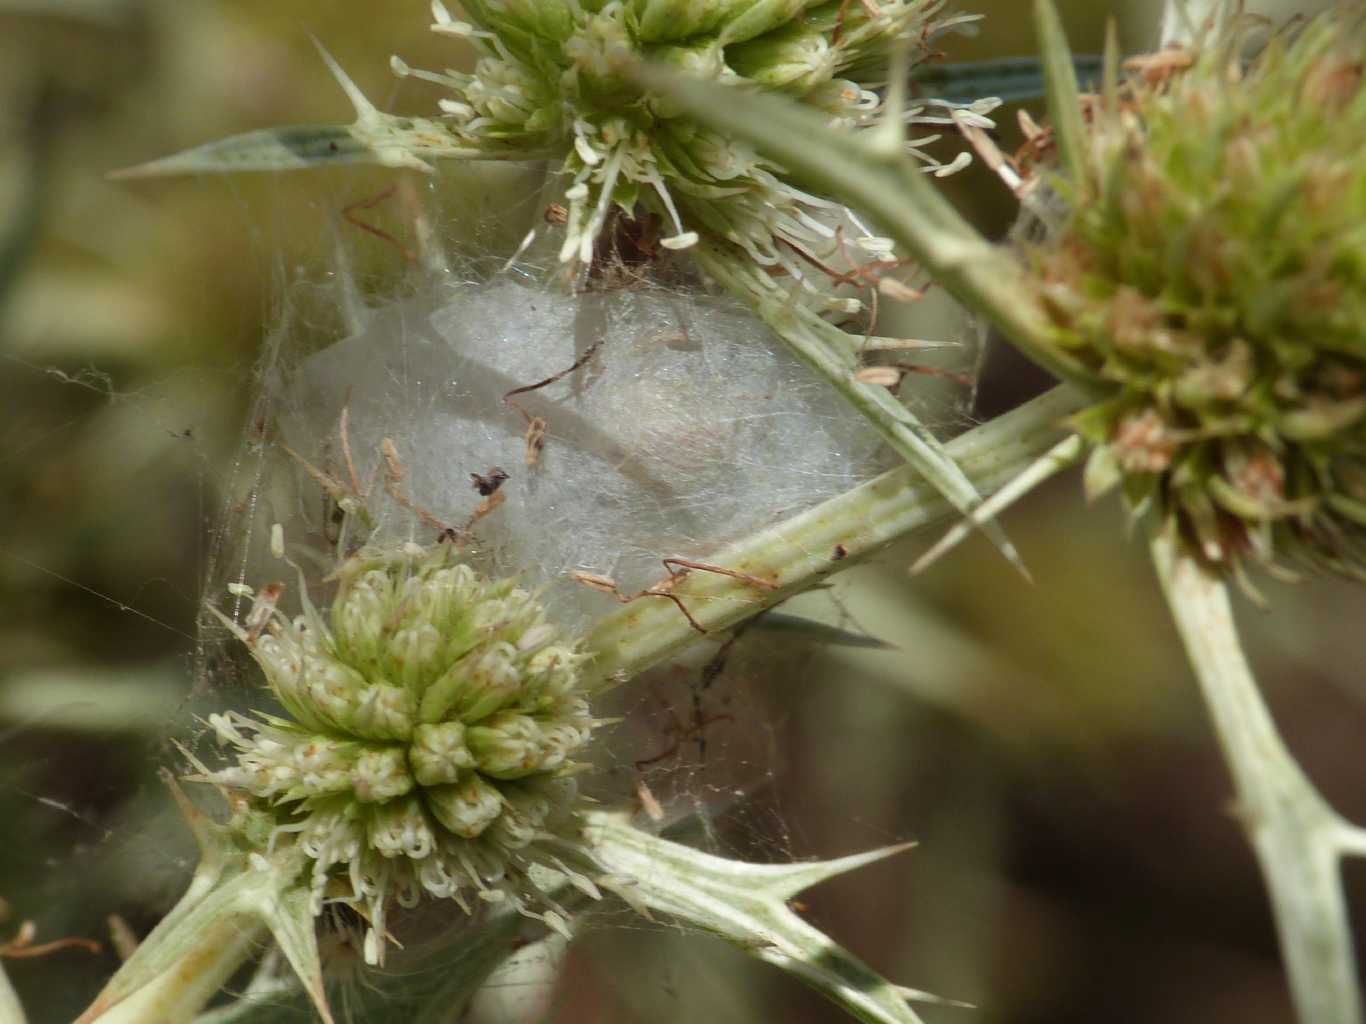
591, 445
684, 426
552, 436
586, 86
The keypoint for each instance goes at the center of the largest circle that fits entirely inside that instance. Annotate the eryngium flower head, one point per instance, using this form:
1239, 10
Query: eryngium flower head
1211, 268
559, 79
433, 717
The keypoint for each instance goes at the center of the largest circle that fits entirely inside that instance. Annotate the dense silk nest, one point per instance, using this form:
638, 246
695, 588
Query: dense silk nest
686, 426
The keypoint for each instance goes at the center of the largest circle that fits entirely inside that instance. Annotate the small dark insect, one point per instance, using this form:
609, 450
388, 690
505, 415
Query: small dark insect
487, 483
627, 244
333, 518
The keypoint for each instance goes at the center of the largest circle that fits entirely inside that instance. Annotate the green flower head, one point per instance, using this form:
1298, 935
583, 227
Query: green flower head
562, 79
1210, 271
433, 715
568, 81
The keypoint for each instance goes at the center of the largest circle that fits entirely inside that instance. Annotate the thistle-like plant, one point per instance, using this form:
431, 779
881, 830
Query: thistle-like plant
424, 753
1186, 238
561, 80
427, 750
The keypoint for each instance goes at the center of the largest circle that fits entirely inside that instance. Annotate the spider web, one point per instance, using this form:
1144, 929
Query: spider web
688, 426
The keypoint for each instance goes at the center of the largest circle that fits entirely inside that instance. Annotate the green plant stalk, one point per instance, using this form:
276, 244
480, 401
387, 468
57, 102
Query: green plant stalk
235, 899
1064, 104
1297, 837
11, 1011
796, 553
177, 995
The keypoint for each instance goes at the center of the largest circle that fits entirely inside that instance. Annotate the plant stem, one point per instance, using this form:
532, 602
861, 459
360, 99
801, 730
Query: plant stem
1064, 104
1297, 837
11, 1010
175, 996
799, 552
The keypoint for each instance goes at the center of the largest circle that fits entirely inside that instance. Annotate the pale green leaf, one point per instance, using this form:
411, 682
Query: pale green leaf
747, 904
270, 149
11, 1012
374, 138
821, 632
379, 139
94, 700
1064, 104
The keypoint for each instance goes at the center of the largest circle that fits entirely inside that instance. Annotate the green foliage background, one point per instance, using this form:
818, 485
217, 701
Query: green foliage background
1044, 743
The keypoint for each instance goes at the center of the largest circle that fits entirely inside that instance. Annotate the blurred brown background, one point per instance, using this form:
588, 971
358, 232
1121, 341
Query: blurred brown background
1044, 743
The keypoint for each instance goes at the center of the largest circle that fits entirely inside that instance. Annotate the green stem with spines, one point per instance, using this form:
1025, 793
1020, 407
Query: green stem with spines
795, 554
801, 551
1298, 838
11, 1011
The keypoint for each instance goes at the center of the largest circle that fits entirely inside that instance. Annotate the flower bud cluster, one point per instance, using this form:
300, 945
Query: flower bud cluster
1211, 272
559, 78
433, 715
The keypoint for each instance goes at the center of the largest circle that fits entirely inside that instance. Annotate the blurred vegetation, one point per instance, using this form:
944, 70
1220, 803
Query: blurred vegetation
1044, 743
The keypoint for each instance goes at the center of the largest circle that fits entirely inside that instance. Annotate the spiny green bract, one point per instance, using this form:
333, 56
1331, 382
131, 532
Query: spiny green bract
560, 78
1212, 269
433, 716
